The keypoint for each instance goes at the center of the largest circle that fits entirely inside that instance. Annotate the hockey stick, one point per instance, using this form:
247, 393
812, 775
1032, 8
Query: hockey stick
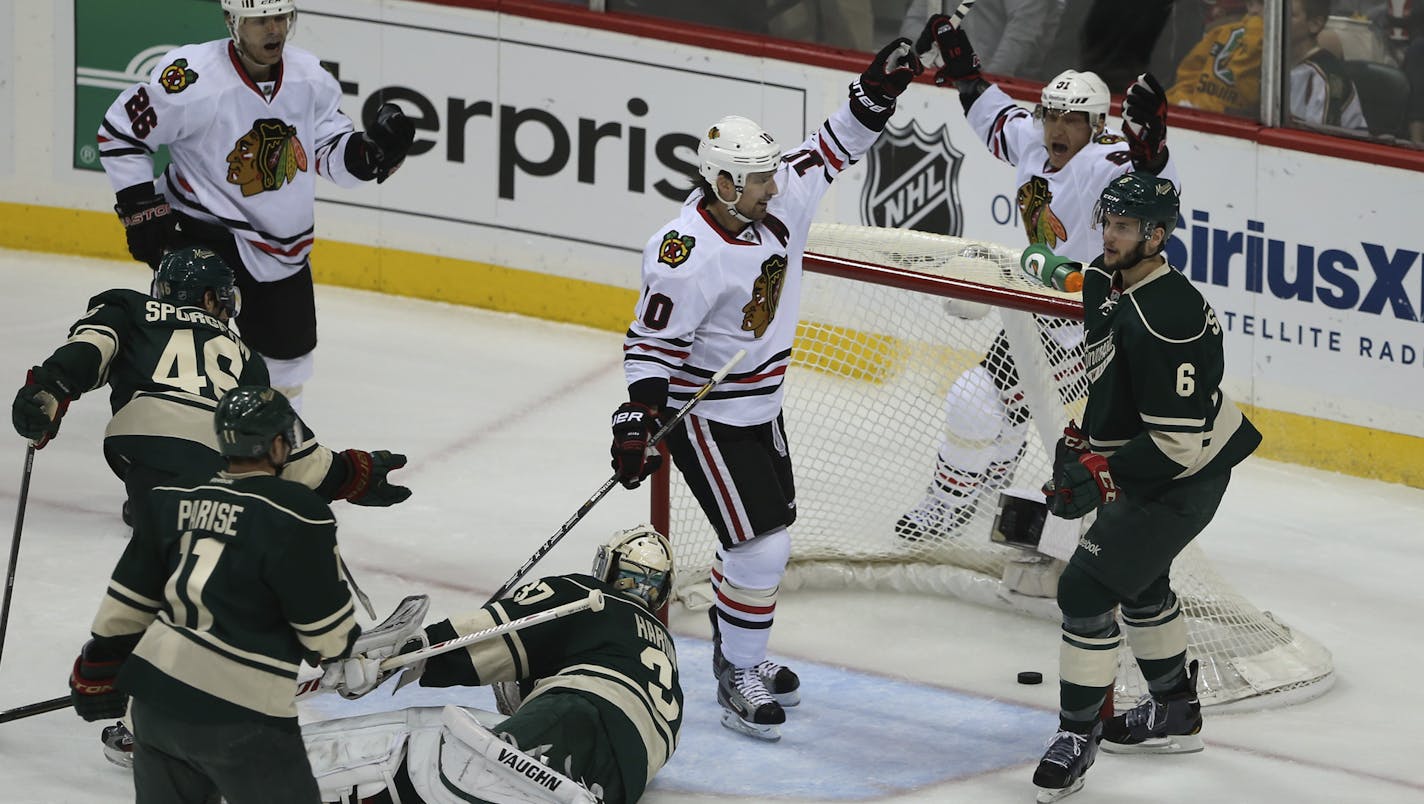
610, 482
15, 543
38, 708
594, 602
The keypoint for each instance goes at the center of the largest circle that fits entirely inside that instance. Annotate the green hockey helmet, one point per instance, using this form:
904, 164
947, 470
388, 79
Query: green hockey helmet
249, 416
1143, 196
185, 274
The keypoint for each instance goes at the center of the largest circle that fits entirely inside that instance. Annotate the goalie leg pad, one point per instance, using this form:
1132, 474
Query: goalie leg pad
357, 757
468, 760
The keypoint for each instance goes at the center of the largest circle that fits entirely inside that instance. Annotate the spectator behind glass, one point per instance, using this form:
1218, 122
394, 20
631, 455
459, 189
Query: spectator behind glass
1321, 94
1008, 35
1413, 63
848, 24
1223, 72
1119, 39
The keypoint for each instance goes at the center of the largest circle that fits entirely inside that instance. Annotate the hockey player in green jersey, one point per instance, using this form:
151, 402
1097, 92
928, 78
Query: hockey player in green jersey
601, 708
1153, 458
167, 360
229, 582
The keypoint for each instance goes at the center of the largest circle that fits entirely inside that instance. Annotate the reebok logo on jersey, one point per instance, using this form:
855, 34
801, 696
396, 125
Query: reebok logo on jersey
176, 77
675, 249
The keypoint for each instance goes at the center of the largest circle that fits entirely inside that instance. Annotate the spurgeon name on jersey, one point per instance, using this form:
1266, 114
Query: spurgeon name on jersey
1155, 361
1056, 206
708, 293
244, 156
621, 658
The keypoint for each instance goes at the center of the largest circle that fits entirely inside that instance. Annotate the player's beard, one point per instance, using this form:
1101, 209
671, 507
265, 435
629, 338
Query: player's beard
1127, 259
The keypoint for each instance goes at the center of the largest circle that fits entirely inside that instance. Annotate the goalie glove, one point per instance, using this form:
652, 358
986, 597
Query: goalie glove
942, 38
40, 404
366, 478
872, 97
1144, 123
384, 145
149, 223
1050, 270
399, 633
633, 426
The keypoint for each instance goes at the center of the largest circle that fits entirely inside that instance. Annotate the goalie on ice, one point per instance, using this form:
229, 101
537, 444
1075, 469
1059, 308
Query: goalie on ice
601, 703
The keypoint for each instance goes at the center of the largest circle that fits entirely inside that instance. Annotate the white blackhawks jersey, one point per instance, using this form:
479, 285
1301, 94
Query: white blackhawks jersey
1056, 206
708, 293
244, 156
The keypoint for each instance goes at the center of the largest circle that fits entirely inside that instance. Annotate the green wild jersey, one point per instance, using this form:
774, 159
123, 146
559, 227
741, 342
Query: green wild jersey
621, 658
232, 581
1154, 359
167, 367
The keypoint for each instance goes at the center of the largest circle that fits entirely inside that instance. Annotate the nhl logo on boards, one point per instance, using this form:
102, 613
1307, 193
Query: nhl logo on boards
675, 248
912, 181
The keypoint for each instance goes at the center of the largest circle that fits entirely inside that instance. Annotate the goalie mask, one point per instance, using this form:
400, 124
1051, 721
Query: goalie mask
1072, 91
637, 561
186, 274
738, 147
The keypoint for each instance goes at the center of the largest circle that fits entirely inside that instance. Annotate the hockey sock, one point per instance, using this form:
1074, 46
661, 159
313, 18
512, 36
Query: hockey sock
1158, 638
1087, 659
745, 590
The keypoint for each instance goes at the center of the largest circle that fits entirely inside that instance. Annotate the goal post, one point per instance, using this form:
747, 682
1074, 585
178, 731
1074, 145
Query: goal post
889, 319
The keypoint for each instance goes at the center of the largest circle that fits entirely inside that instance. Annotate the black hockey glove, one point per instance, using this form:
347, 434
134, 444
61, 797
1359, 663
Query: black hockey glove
1144, 122
633, 426
40, 404
148, 222
366, 482
873, 95
960, 62
387, 141
91, 683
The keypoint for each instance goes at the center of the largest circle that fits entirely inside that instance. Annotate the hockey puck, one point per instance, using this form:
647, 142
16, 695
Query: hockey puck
1030, 677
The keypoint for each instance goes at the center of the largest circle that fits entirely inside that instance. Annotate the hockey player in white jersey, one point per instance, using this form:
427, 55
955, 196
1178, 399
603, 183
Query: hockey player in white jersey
1065, 154
249, 123
725, 275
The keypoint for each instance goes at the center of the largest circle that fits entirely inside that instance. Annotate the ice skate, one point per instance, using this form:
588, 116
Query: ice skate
1170, 725
1069, 755
933, 520
118, 745
780, 680
747, 706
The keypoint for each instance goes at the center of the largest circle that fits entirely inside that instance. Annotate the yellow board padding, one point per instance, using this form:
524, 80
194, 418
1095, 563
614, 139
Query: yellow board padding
1289, 437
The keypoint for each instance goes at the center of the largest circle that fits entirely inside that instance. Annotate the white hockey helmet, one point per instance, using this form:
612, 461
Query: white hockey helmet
1072, 91
738, 147
637, 561
236, 10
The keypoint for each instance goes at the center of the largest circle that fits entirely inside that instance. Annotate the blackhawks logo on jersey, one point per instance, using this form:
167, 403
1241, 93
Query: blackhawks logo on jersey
266, 157
176, 77
1041, 225
758, 313
675, 249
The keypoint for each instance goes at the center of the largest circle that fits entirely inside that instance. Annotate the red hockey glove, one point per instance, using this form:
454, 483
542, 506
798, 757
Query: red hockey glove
1144, 122
40, 404
91, 684
1082, 485
958, 56
366, 482
890, 72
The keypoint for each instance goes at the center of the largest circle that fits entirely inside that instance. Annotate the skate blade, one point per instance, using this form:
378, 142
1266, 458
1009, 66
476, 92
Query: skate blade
123, 759
761, 732
1046, 795
791, 698
1174, 744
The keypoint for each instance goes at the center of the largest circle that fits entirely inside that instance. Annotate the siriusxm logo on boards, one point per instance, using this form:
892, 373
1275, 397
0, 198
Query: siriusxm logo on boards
1372, 278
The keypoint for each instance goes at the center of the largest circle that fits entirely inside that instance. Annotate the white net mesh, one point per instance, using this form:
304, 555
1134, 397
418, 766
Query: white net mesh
865, 412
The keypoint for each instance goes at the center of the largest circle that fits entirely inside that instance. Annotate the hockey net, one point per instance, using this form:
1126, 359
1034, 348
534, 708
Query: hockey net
889, 319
